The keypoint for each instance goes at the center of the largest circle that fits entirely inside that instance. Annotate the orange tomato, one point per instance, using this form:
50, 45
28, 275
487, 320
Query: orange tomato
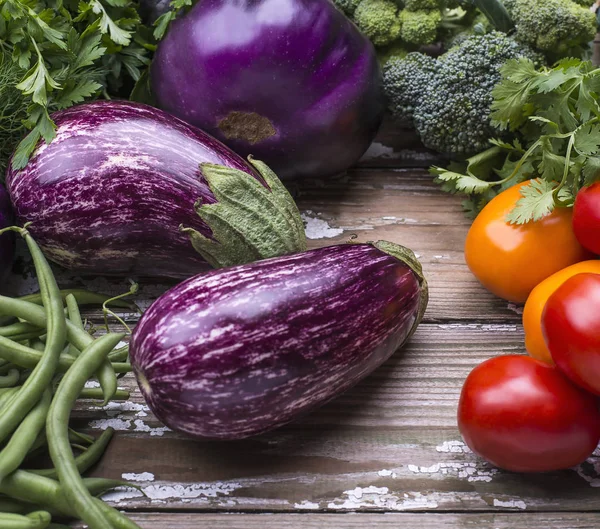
510, 260
532, 313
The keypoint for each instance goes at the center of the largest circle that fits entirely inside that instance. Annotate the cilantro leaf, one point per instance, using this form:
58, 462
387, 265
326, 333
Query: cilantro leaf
462, 182
537, 201
591, 170
587, 139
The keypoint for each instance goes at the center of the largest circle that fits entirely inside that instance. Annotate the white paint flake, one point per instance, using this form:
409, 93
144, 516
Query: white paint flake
122, 493
306, 505
143, 477
382, 498
190, 491
471, 471
91, 384
159, 493
117, 424
454, 447
317, 228
141, 426
510, 504
385, 473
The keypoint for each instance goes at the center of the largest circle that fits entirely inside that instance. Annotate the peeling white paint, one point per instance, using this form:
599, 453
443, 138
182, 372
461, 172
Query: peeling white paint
381, 498
120, 494
306, 505
385, 473
117, 424
190, 491
317, 228
471, 471
158, 493
441, 257
144, 477
511, 504
454, 447
141, 426
90, 384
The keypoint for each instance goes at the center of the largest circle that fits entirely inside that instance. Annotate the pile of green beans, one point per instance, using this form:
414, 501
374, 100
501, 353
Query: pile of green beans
46, 358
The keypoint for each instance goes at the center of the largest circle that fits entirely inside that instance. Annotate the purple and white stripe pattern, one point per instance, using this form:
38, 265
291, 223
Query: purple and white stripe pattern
240, 351
107, 196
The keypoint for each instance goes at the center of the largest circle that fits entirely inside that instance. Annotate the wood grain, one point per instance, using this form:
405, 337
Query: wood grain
359, 521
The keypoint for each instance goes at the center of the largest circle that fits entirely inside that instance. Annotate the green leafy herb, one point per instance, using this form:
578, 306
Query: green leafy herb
554, 116
54, 54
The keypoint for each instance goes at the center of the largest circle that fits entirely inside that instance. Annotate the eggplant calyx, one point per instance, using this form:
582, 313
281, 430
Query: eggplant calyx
407, 256
249, 221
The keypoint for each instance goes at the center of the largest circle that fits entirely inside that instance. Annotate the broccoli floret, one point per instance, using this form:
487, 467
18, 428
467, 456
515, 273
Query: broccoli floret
554, 26
379, 20
419, 27
347, 6
397, 50
449, 97
406, 79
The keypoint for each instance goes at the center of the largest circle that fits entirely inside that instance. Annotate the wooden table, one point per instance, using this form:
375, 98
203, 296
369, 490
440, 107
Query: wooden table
386, 454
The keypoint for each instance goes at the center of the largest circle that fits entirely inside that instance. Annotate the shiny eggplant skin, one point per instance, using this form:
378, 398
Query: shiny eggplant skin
241, 351
108, 195
291, 82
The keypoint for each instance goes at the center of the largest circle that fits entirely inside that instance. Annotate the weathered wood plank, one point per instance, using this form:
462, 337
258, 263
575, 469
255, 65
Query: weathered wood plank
389, 444
359, 521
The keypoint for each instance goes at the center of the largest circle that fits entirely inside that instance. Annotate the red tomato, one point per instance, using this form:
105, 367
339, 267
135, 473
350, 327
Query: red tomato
586, 217
571, 326
524, 415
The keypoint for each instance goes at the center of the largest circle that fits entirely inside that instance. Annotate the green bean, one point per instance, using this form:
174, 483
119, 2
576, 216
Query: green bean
22, 485
11, 379
119, 355
78, 447
27, 357
96, 393
15, 506
14, 453
80, 339
122, 367
75, 436
68, 390
18, 328
83, 297
86, 460
99, 486
41, 377
75, 319
34, 520
6, 395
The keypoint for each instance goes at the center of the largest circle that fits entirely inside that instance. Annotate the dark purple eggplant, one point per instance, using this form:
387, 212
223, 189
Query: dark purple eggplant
7, 240
240, 351
292, 82
110, 192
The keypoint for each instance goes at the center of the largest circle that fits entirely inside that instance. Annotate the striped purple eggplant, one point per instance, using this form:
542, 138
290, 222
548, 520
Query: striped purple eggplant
108, 195
240, 351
